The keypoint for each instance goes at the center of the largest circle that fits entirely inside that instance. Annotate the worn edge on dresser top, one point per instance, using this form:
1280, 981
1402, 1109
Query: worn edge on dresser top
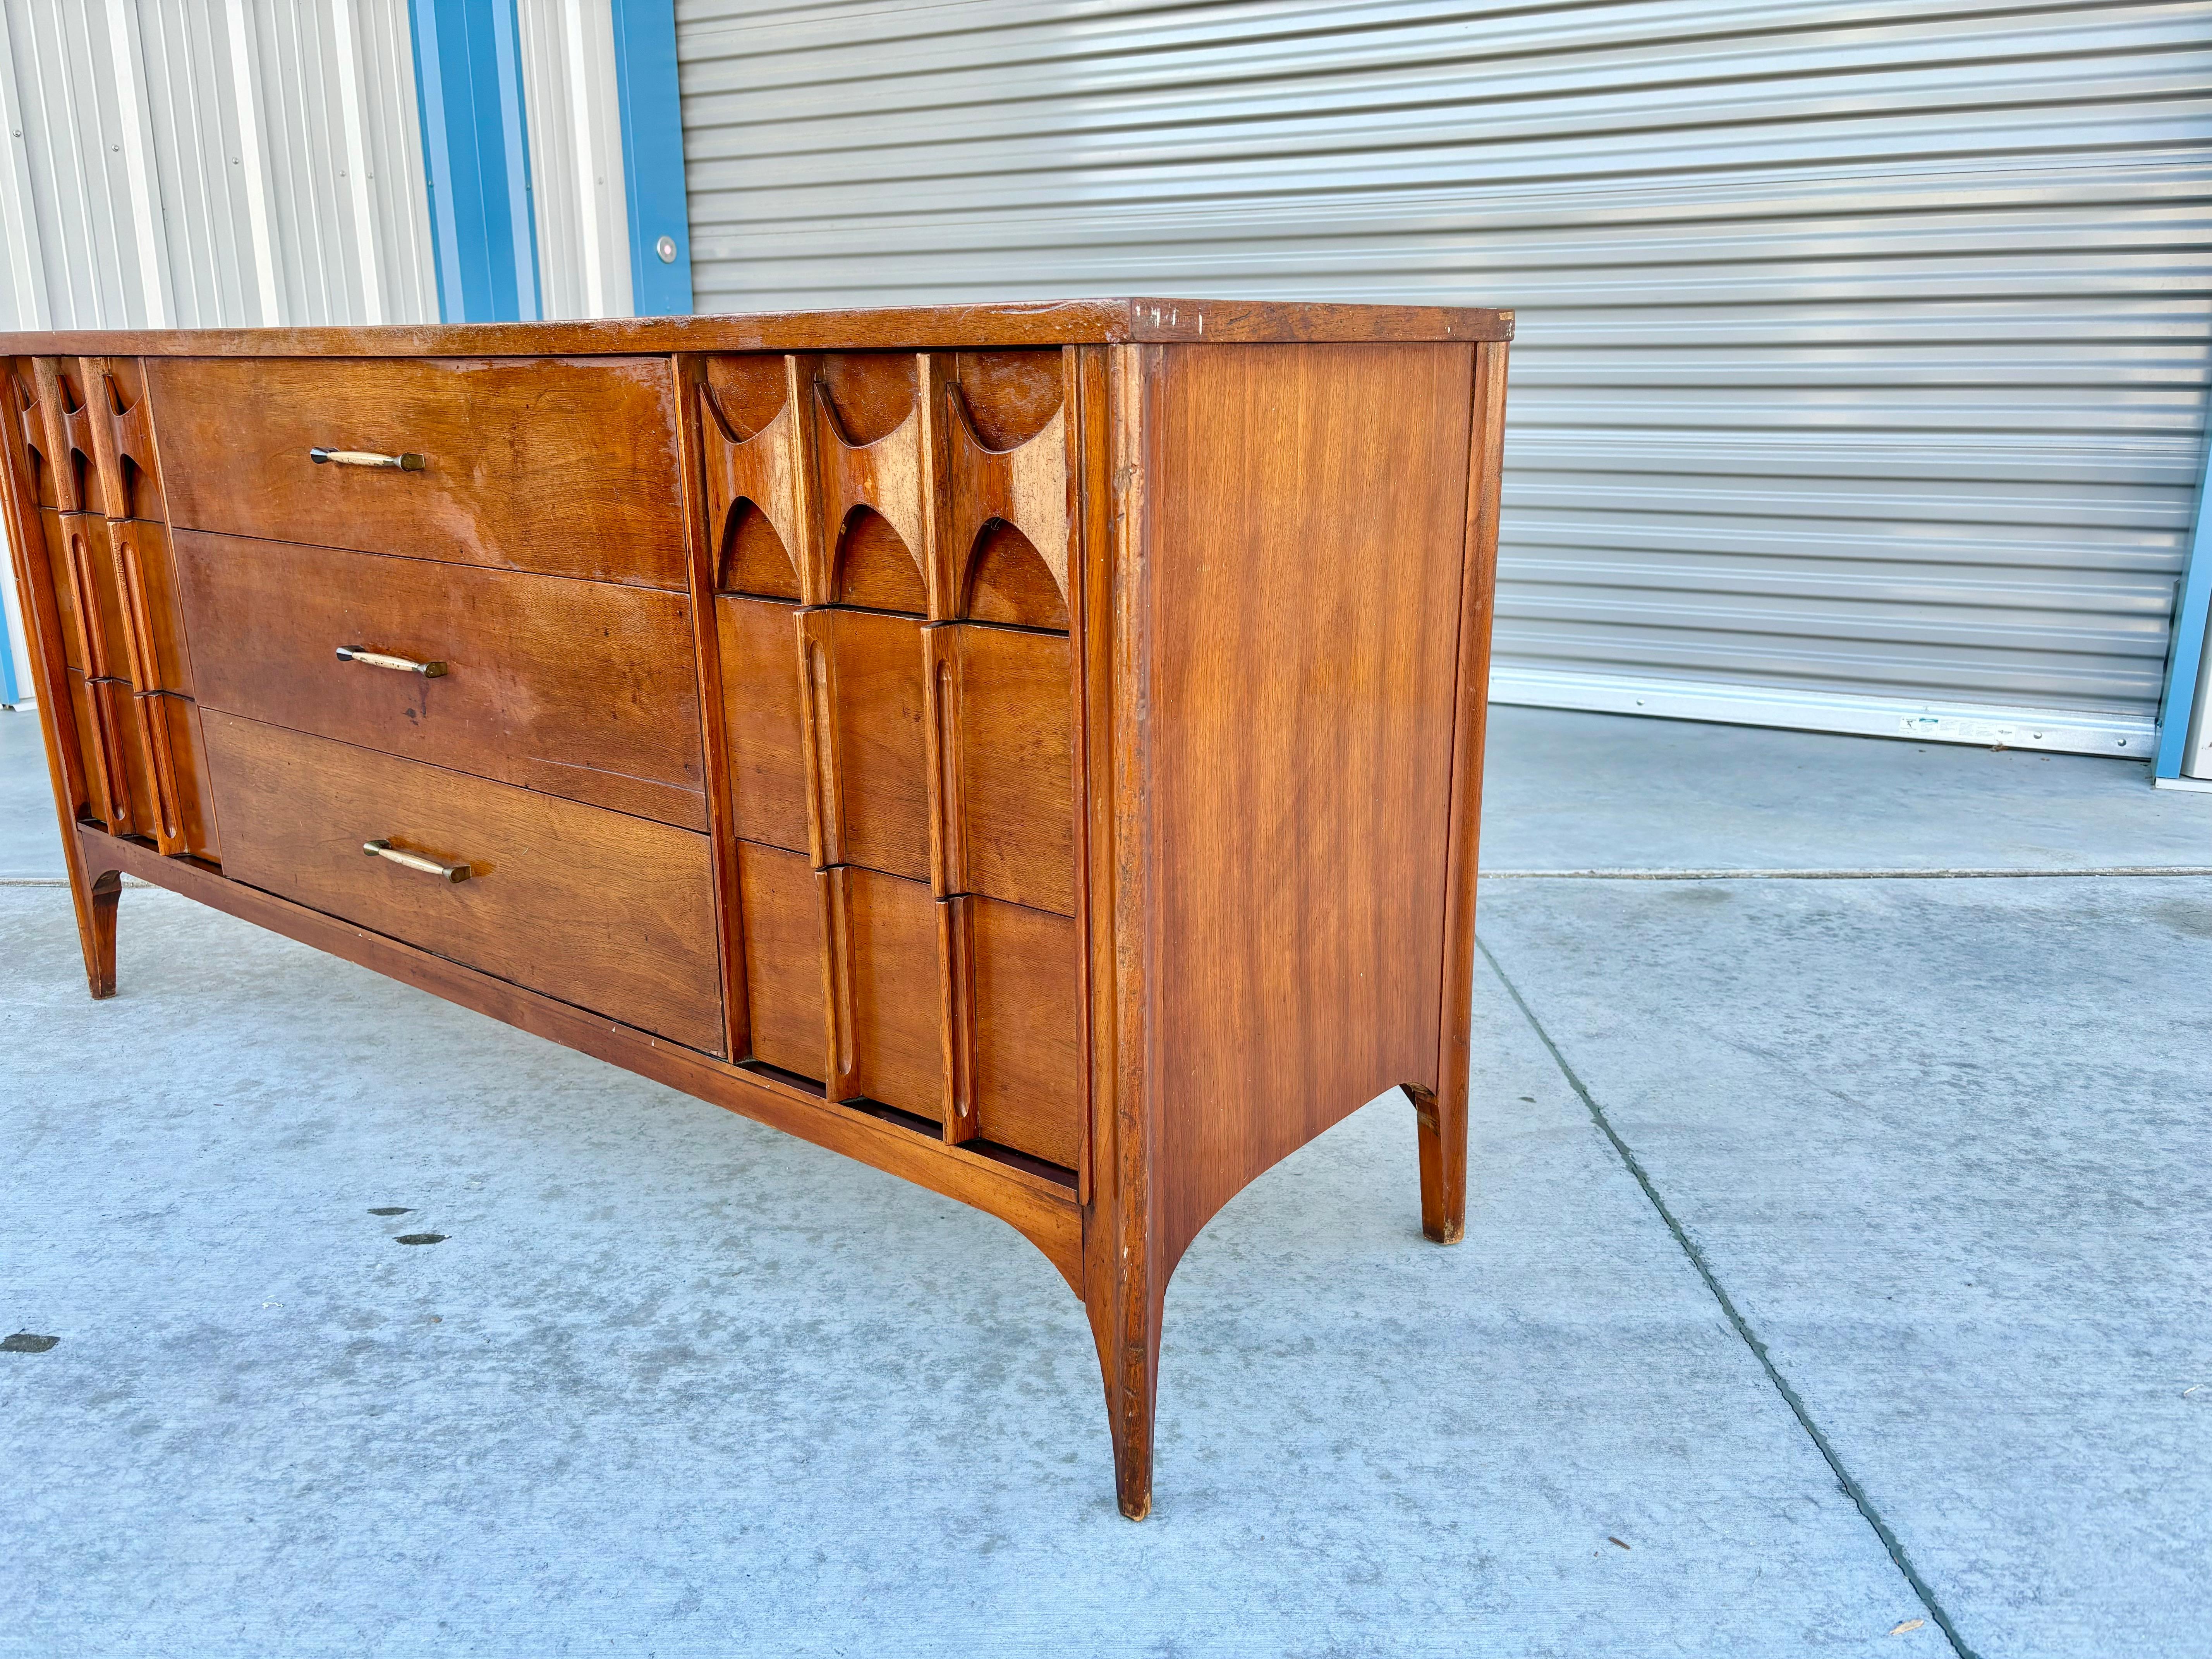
994, 327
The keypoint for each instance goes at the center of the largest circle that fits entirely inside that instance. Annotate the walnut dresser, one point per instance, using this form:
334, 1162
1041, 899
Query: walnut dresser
1033, 750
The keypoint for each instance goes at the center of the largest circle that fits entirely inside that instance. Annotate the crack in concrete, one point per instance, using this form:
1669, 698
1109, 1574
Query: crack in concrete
1741, 1326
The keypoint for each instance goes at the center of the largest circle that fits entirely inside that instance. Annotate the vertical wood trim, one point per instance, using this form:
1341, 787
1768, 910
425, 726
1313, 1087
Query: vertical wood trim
687, 375
153, 735
49, 675
940, 582
45, 373
1479, 582
1123, 1283
1083, 397
818, 706
940, 692
805, 468
99, 426
957, 960
137, 623
842, 1064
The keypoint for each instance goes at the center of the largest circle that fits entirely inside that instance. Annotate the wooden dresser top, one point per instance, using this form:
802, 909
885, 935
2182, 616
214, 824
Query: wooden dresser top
1048, 323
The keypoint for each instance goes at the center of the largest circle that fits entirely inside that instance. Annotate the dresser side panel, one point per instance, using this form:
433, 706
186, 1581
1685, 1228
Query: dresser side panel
1307, 524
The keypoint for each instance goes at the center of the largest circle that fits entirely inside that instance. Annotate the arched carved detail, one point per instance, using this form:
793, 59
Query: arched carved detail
123, 437
1024, 486
1008, 581
886, 477
874, 567
759, 472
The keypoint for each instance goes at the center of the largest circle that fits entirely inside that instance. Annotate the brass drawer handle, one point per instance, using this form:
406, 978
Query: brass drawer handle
428, 670
409, 462
385, 849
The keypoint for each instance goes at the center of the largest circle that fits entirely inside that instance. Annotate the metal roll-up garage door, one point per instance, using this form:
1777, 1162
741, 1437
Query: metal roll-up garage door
1861, 376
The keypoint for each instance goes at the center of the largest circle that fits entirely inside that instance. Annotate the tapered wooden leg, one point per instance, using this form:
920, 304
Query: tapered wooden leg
96, 932
1442, 1119
1129, 1334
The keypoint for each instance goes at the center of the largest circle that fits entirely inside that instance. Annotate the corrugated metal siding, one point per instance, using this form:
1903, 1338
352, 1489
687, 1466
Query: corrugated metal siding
191, 164
576, 186
1862, 348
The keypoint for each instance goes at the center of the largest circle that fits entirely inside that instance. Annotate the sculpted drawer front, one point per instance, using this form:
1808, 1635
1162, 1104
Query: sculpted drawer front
562, 465
611, 913
585, 689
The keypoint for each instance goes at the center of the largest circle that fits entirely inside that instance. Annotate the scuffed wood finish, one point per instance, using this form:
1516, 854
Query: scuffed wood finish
613, 912
993, 326
1036, 750
584, 689
565, 467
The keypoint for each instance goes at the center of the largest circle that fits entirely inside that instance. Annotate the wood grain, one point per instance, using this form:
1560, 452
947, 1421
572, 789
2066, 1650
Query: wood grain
868, 756
179, 764
764, 716
613, 912
784, 947
1441, 1128
756, 461
1018, 969
152, 619
49, 674
999, 719
1089, 927
120, 425
584, 689
1302, 638
81, 557
991, 326
564, 467
885, 935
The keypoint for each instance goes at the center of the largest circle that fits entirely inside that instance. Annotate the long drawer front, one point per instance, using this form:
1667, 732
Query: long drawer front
585, 689
560, 465
611, 913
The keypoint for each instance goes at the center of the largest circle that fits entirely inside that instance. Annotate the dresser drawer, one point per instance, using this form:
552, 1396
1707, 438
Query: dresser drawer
611, 913
587, 690
565, 466
763, 719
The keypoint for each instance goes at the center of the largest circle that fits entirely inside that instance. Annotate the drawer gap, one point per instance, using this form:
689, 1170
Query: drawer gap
789, 1080
929, 1128
1044, 1169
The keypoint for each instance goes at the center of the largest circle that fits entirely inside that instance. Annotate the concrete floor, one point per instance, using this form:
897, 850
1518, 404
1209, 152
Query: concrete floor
1837, 1246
